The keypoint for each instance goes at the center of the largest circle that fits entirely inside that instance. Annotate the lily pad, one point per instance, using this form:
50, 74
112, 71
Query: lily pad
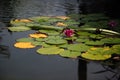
70, 54
111, 40
94, 43
56, 40
25, 40
38, 35
78, 47
95, 56
50, 50
101, 51
24, 45
20, 28
116, 49
50, 32
82, 40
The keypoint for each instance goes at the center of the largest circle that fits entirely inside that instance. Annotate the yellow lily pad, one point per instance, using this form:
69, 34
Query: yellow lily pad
61, 24
63, 17
36, 35
24, 45
22, 20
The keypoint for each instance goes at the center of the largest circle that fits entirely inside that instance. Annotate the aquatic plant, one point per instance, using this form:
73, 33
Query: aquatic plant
62, 35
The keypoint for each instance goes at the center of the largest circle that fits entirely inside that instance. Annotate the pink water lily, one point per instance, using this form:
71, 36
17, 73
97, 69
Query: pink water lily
112, 23
68, 32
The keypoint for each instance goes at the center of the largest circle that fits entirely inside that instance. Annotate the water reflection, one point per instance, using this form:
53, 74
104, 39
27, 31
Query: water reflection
4, 51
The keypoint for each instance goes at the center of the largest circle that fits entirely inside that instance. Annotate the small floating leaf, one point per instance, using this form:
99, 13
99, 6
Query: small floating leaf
78, 47
25, 40
94, 43
24, 45
70, 54
38, 35
61, 24
50, 50
20, 28
95, 56
111, 40
50, 32
116, 49
56, 40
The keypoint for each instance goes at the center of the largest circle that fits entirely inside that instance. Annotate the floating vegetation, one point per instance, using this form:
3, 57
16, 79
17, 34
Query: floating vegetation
19, 28
38, 35
24, 45
89, 37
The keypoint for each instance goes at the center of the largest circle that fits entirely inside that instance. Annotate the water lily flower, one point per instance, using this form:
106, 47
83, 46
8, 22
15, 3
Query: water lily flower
112, 23
68, 32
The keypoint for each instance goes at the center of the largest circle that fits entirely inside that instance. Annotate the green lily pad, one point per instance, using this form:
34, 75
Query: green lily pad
82, 40
40, 39
36, 43
25, 40
40, 19
50, 32
70, 54
78, 47
101, 51
56, 40
20, 28
50, 50
116, 49
94, 36
81, 33
94, 43
111, 40
95, 56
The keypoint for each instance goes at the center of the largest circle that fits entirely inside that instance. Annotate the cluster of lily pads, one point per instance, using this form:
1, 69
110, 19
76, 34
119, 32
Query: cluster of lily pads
62, 35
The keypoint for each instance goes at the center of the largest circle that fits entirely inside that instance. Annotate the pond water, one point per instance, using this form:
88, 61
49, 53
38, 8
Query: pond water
26, 64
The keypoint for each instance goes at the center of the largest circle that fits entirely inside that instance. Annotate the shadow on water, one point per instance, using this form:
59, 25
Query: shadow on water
26, 64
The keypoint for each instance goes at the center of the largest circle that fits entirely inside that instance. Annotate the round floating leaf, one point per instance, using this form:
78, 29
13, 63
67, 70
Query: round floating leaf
56, 40
78, 47
82, 40
24, 45
116, 49
102, 51
40, 39
50, 50
25, 40
40, 19
20, 28
94, 43
36, 43
95, 56
61, 24
81, 33
94, 36
50, 32
111, 40
38, 35
70, 54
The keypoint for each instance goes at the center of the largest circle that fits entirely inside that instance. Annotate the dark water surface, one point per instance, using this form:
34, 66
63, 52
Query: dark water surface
26, 64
